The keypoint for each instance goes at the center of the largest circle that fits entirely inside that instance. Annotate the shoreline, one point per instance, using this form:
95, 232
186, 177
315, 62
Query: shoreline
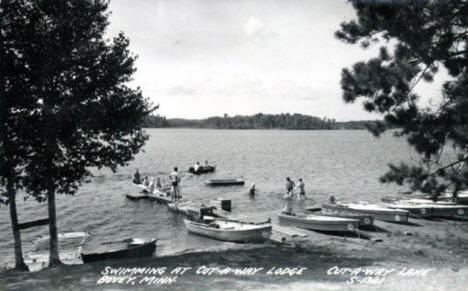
417, 254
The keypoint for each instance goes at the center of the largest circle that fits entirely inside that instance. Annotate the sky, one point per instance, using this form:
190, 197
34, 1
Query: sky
201, 58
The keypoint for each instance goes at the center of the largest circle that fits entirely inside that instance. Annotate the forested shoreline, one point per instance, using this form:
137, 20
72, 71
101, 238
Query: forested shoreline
258, 121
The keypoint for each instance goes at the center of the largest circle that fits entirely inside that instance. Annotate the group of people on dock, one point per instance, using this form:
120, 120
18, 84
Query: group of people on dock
151, 185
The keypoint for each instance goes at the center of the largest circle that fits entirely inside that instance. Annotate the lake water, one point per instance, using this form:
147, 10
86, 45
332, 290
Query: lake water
346, 164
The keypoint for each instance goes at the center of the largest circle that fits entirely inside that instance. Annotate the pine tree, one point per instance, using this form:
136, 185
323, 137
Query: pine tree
65, 90
419, 38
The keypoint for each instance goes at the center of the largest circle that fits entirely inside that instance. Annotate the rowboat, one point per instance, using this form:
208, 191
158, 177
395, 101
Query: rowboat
380, 212
364, 219
224, 182
202, 170
320, 222
415, 210
457, 210
129, 248
231, 230
138, 196
420, 200
431, 208
461, 197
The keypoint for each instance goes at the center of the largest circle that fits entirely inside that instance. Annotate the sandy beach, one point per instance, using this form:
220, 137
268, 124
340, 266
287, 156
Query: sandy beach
424, 254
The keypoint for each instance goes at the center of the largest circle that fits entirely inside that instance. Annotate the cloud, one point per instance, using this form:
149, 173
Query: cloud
253, 27
179, 90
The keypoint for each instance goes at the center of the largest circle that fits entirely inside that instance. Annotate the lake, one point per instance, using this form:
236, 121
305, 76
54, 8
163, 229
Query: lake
343, 163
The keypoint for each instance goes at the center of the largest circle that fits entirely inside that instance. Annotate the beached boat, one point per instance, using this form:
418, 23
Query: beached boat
129, 248
364, 219
430, 208
418, 200
231, 230
457, 210
460, 198
202, 170
320, 222
70, 246
380, 212
224, 182
415, 210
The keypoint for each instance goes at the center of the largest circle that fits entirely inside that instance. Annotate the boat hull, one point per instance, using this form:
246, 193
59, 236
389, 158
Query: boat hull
257, 235
202, 170
364, 219
429, 208
424, 211
392, 215
227, 182
144, 250
459, 211
332, 224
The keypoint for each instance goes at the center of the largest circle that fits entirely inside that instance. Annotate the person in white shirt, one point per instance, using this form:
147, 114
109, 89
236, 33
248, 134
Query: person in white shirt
196, 167
175, 182
151, 186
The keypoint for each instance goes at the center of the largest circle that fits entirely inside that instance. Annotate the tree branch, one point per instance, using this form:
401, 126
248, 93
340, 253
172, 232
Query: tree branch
449, 165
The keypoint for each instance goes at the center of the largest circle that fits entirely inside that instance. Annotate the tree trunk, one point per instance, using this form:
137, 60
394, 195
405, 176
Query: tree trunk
54, 258
19, 262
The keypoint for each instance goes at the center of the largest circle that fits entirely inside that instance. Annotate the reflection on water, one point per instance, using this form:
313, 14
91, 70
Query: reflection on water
346, 164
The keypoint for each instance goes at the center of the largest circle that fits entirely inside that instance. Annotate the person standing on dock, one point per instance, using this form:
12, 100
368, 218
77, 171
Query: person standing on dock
158, 183
175, 181
151, 186
301, 187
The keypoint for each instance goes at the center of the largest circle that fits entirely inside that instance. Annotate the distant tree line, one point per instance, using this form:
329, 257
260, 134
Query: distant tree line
259, 121
155, 121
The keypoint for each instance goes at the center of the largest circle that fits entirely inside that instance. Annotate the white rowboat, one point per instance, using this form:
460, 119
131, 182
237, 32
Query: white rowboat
230, 230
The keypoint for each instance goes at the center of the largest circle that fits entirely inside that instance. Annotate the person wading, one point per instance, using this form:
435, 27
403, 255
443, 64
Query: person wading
289, 196
301, 187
